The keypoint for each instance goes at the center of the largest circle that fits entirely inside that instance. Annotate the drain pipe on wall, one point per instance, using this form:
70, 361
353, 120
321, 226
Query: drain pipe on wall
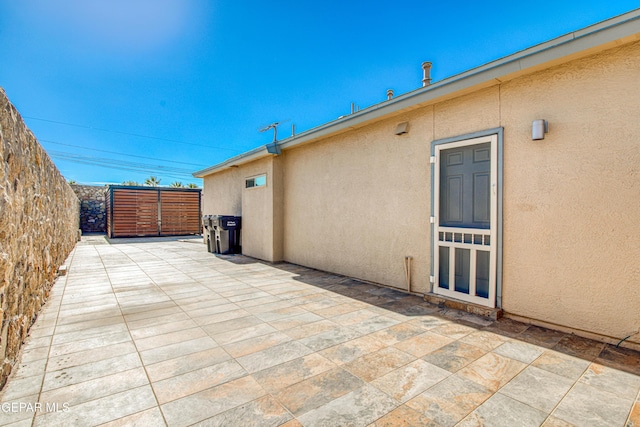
407, 271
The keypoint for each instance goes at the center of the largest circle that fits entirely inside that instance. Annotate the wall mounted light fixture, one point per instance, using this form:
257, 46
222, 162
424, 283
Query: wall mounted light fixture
538, 129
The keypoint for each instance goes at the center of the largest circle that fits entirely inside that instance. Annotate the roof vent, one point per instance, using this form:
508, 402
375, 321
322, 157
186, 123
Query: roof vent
402, 128
389, 93
426, 68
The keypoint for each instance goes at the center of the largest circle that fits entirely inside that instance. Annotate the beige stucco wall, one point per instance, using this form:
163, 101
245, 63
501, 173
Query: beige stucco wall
256, 215
359, 202
278, 202
471, 113
572, 201
260, 217
223, 193
260, 207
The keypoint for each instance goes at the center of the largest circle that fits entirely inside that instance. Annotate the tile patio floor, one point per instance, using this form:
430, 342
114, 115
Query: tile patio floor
160, 332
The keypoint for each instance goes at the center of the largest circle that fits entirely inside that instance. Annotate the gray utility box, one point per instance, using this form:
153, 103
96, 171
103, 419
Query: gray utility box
222, 233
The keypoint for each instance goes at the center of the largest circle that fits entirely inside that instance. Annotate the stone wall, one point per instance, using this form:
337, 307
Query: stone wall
93, 212
38, 229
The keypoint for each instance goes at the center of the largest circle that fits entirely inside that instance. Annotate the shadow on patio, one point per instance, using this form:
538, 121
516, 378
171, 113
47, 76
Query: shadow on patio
160, 332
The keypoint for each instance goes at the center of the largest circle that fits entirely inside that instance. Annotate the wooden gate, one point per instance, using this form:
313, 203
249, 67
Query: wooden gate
144, 211
179, 212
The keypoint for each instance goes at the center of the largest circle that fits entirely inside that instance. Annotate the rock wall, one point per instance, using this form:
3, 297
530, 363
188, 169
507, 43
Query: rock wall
93, 212
39, 215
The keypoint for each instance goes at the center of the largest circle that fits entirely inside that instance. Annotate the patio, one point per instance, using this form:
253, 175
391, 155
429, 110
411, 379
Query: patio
159, 332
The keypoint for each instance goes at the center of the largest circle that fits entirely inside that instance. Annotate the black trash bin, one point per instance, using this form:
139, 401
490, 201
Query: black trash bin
209, 232
227, 234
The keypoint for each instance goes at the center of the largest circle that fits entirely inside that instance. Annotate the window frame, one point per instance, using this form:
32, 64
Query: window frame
252, 181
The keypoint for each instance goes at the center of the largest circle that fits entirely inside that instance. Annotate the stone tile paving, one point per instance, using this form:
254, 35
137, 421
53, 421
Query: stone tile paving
157, 332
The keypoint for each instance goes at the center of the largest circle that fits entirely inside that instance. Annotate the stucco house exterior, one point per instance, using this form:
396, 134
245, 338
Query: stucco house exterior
443, 190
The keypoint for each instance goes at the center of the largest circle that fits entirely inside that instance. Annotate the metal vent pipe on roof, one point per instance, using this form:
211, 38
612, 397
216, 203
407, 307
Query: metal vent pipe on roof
389, 93
426, 68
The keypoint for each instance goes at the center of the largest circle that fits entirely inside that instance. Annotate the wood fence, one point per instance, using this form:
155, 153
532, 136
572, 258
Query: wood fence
145, 211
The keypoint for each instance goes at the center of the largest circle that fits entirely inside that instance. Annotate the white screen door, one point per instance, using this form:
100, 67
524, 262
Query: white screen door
465, 223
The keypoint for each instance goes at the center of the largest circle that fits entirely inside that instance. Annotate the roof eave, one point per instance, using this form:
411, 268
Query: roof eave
248, 156
604, 35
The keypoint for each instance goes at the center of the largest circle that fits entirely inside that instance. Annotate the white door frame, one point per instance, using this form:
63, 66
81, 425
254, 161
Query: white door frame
468, 238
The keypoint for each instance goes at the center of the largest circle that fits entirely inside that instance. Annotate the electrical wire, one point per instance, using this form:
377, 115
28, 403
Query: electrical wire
145, 171
123, 165
103, 160
129, 134
151, 172
120, 153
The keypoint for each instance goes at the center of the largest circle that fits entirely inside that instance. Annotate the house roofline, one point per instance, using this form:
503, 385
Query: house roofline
612, 32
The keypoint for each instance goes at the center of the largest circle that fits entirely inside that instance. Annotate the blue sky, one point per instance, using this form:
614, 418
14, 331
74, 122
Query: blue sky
120, 90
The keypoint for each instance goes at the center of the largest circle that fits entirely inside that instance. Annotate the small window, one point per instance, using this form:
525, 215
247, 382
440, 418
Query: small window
256, 181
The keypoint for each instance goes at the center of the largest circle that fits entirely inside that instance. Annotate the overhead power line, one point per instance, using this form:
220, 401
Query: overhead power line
118, 162
130, 134
121, 154
151, 172
144, 171
123, 165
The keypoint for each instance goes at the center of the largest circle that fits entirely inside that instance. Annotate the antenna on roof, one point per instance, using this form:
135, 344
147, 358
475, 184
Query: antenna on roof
273, 126
273, 147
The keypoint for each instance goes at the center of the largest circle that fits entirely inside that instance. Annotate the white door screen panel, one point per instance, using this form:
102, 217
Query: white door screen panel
465, 219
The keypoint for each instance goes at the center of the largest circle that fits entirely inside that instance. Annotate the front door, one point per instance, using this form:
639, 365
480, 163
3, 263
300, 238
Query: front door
465, 222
